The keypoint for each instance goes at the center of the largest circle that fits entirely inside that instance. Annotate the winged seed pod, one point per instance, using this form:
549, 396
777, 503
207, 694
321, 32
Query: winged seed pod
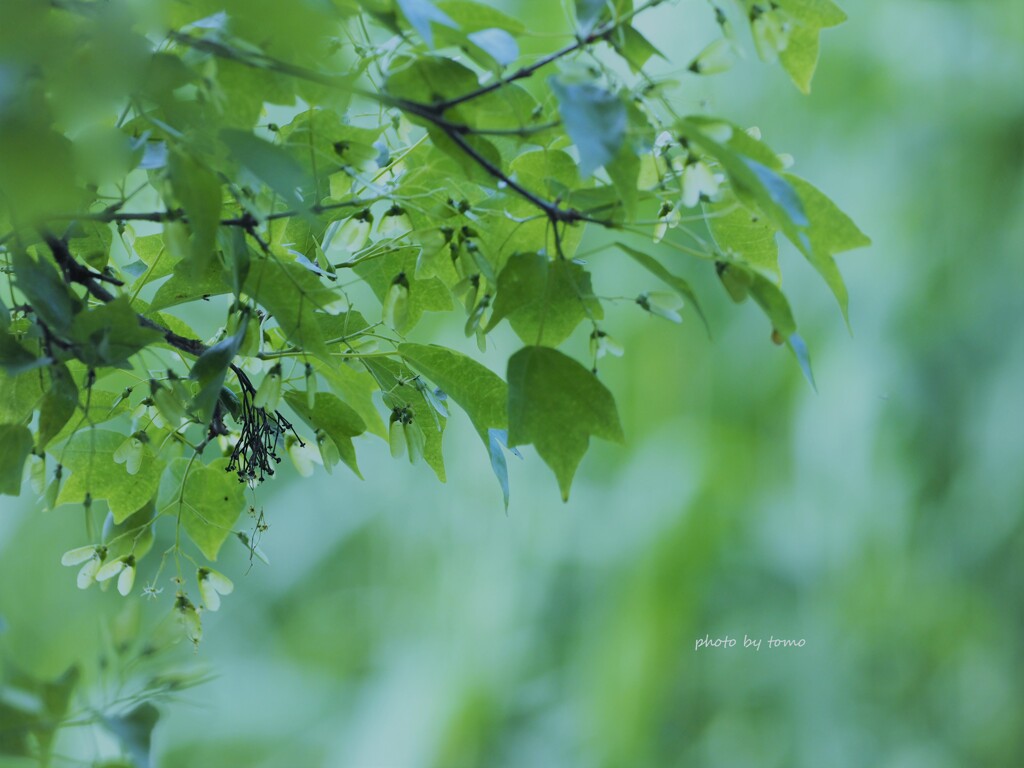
268, 395
662, 304
396, 302
770, 28
213, 584
353, 234
395, 223
716, 58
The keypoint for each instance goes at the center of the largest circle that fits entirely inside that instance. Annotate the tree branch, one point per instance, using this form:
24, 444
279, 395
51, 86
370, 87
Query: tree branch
597, 34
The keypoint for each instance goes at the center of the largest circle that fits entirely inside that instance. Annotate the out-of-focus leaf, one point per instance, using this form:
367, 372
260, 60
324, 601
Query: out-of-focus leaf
198, 191
800, 57
421, 14
15, 446
831, 232
135, 731
45, 290
211, 368
57, 406
595, 120
110, 334
268, 162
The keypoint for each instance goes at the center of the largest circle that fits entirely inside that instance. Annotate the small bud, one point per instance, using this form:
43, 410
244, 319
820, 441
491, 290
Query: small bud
311, 385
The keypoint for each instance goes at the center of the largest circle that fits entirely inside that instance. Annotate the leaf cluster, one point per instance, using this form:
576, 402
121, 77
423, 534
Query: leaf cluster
221, 224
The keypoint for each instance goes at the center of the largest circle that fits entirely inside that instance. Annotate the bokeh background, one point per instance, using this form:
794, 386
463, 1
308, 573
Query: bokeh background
881, 519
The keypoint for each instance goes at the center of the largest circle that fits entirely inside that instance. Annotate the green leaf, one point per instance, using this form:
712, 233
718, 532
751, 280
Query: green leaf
90, 242
551, 173
634, 47
430, 295
154, 254
421, 14
15, 446
45, 290
742, 281
594, 119
831, 232
335, 418
292, 295
58, 405
480, 392
557, 405
198, 191
110, 334
678, 284
397, 390
20, 394
624, 170
210, 370
800, 57
744, 235
475, 16
267, 162
588, 13
89, 456
14, 358
135, 731
799, 348
187, 285
428, 79
544, 300
754, 179
208, 499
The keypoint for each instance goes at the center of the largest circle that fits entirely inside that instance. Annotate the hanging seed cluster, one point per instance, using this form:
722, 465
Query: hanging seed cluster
255, 456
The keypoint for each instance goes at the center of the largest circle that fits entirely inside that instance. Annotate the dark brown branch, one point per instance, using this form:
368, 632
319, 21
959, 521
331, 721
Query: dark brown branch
113, 214
76, 273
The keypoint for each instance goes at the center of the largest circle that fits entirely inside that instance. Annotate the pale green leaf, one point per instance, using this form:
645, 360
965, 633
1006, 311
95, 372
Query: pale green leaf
206, 499
89, 456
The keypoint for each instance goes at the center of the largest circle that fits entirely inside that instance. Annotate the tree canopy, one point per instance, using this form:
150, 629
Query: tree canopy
222, 221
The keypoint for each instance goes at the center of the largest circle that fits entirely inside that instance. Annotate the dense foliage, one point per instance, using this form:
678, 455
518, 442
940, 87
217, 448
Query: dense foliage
222, 221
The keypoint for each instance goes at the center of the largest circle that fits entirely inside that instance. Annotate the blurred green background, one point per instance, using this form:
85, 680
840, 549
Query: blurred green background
407, 623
